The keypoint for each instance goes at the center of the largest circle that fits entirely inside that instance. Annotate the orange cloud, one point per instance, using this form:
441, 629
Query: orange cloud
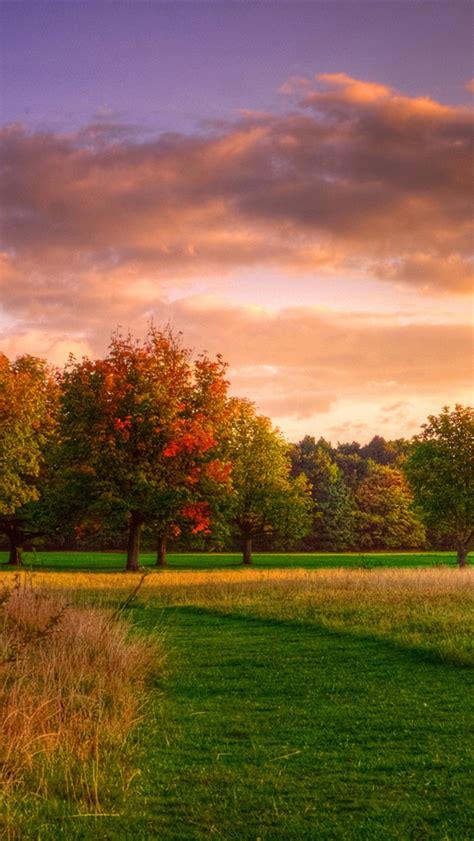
342, 375
299, 362
354, 90
355, 179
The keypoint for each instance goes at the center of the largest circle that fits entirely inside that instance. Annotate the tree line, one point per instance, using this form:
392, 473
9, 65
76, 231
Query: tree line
146, 446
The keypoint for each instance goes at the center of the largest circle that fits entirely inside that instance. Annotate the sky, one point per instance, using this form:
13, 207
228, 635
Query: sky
287, 183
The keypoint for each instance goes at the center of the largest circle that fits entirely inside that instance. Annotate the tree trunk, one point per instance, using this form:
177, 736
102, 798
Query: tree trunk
161, 550
463, 552
15, 537
247, 550
15, 555
134, 531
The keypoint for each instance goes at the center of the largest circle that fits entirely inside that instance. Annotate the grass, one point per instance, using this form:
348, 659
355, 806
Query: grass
115, 561
296, 704
71, 683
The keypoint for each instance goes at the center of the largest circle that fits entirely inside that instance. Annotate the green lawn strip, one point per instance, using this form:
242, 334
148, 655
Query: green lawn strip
115, 561
274, 730
371, 731
440, 628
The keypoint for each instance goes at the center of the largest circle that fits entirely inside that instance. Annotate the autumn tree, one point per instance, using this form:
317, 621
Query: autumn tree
266, 499
139, 426
385, 517
196, 474
28, 426
440, 469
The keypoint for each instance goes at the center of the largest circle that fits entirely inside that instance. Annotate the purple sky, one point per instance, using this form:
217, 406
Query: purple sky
168, 64
287, 182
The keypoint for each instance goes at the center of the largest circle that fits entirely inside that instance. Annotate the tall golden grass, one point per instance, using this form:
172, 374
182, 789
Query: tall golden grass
72, 680
430, 608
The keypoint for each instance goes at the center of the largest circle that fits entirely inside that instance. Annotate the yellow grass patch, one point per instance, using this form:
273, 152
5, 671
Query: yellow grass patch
71, 688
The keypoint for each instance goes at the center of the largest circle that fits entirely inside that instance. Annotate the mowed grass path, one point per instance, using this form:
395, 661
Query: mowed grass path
277, 730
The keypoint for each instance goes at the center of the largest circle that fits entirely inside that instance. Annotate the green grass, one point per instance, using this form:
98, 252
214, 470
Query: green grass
289, 714
280, 730
114, 561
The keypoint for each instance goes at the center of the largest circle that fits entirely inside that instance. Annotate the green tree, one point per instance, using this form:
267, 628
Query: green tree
353, 467
28, 428
440, 469
382, 451
265, 499
333, 525
139, 426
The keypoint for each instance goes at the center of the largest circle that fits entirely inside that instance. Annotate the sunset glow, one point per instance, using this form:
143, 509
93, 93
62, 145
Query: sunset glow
270, 179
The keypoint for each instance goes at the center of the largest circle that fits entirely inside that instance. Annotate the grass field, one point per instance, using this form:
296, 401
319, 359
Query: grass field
295, 704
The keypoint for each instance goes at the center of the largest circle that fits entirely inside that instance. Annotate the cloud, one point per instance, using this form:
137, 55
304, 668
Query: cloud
300, 362
315, 372
355, 90
451, 273
354, 179
110, 226
55, 347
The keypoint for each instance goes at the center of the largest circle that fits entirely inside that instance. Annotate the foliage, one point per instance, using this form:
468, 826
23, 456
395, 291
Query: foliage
440, 468
29, 394
266, 498
140, 427
382, 451
385, 517
333, 524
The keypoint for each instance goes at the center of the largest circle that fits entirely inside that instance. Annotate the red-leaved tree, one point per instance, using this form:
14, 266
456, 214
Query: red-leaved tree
140, 426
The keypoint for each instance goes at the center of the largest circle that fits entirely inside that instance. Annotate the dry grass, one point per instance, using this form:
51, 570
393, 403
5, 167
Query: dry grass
429, 608
71, 684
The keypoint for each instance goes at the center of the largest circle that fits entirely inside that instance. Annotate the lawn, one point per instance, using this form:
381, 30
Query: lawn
295, 704
104, 561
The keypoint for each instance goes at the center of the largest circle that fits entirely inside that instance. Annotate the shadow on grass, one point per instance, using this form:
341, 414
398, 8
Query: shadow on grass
411, 653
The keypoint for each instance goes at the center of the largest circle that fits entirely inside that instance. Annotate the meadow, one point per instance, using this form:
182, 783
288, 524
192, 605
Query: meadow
291, 701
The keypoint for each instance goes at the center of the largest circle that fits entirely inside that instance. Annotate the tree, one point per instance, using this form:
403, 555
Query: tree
195, 472
386, 518
440, 469
139, 426
266, 499
382, 451
28, 425
353, 467
333, 526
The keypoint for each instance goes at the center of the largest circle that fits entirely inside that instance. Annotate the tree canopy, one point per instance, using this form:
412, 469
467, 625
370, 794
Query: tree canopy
440, 468
146, 439
28, 423
140, 426
266, 499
